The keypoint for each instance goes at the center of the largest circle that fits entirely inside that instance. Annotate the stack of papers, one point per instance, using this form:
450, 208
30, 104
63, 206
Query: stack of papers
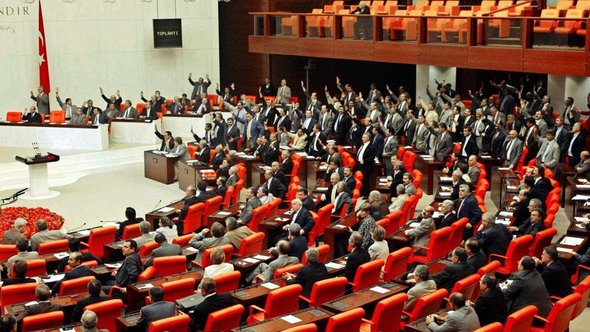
506, 213
581, 198
85, 232
571, 241
166, 209
445, 193
379, 289
446, 179
503, 168
223, 213
321, 188
446, 188
269, 285
251, 260
581, 219
291, 319
262, 257
113, 265
565, 250
61, 255
334, 266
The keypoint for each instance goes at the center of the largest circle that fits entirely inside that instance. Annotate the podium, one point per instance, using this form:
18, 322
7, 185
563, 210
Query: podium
159, 167
38, 179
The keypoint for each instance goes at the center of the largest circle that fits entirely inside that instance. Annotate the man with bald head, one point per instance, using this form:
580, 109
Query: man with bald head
583, 167
512, 150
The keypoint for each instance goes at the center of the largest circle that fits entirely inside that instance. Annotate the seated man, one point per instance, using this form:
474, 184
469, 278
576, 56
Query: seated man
45, 235
74, 245
146, 234
43, 304
212, 302
131, 216
158, 309
421, 233
313, 271
218, 264
252, 202
20, 269
553, 272
236, 233
397, 203
165, 249
357, 257
462, 318
454, 272
297, 242
491, 305
94, 289
200, 242
423, 286
78, 270
12, 235
23, 254
493, 238
306, 201
475, 257
129, 270
265, 271
89, 322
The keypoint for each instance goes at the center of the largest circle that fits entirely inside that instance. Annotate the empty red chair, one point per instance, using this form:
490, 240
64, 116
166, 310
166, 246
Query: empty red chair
228, 249
107, 313
273, 208
397, 263
183, 240
227, 282
396, 220
387, 315
278, 302
559, 316
7, 251
239, 187
98, 238
583, 288
251, 244
521, 320
542, 239
518, 248
425, 305
175, 323
325, 290
131, 232
367, 275
466, 286
227, 198
52, 247
178, 289
192, 150
348, 321
436, 246
14, 116
147, 248
293, 269
194, 218
257, 217
43, 321
17, 293
212, 205
408, 160
493, 327
75, 286
311, 327
166, 266
225, 319
456, 234
57, 117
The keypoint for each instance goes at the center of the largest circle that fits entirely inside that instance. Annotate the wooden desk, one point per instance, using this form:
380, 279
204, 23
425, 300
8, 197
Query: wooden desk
336, 271
573, 188
274, 226
562, 172
154, 216
338, 227
128, 322
420, 324
363, 298
113, 252
310, 169
220, 216
381, 185
248, 163
247, 264
310, 315
137, 292
191, 173
67, 302
74, 327
399, 239
427, 167
498, 184
158, 167
255, 294
567, 256
489, 163
577, 228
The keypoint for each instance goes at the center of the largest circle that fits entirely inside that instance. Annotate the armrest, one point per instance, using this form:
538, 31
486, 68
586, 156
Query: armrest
253, 306
115, 287
301, 297
368, 321
495, 255
84, 244
554, 298
541, 319
420, 247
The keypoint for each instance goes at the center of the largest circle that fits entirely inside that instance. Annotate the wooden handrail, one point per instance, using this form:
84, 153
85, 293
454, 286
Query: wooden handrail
509, 7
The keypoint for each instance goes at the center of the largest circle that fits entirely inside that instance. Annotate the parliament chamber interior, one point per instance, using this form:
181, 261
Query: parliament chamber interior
295, 165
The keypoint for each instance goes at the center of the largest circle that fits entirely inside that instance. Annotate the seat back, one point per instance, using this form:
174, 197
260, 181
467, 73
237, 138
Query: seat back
57, 117
409, 207
239, 187
35, 268
75, 286
52, 247
16, 294
99, 237
227, 198
107, 313
583, 289
257, 217
397, 263
282, 301
324, 218
467, 285
183, 240
212, 205
323, 250
194, 218
417, 178
147, 248
368, 275
388, 312
311, 327
228, 249
166, 266
436, 246
326, 290
178, 289
227, 282
252, 244
493, 327
174, 323
542, 239
490, 267
521, 320
456, 233
131, 232
427, 304
348, 321
293, 269
518, 248
273, 208
396, 220
43, 321
14, 116
561, 313
408, 160
7, 251
225, 319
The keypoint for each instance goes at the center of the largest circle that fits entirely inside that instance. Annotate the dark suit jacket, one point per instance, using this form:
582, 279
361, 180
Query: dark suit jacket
160, 136
494, 240
308, 275
217, 160
478, 260
277, 189
528, 288
16, 281
305, 220
205, 155
556, 279
297, 246
81, 304
126, 223
220, 191
455, 192
358, 257
282, 177
471, 148
233, 134
204, 195
77, 272
447, 220
345, 198
154, 312
39, 308
129, 271
32, 117
368, 156
471, 211
209, 305
309, 204
451, 274
287, 166
491, 307
187, 203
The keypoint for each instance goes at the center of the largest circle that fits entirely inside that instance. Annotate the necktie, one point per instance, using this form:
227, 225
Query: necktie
337, 122
126, 113
460, 206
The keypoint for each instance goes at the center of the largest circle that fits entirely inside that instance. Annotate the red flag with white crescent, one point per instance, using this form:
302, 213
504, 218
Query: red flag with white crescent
43, 64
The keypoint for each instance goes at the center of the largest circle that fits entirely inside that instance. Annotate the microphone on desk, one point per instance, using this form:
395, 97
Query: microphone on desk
160, 201
20, 192
77, 228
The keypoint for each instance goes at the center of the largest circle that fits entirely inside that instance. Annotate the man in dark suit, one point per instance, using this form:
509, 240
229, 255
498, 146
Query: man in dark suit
310, 273
493, 238
44, 305
458, 180
267, 89
130, 214
212, 302
475, 257
300, 216
342, 198
491, 305
357, 257
204, 152
202, 194
232, 134
297, 241
20, 269
221, 187
129, 270
32, 116
444, 142
165, 249
78, 270
317, 141
449, 217
158, 309
468, 145
94, 289
308, 122
286, 163
306, 201
167, 140
199, 87
454, 272
348, 179
575, 144
366, 163
527, 288
283, 121
269, 113
342, 124
278, 173
553, 272
252, 129
189, 200
274, 185
408, 129
468, 208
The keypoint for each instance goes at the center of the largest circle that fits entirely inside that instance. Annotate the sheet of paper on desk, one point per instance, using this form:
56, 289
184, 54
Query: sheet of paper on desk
426, 156
571, 241
110, 223
511, 187
503, 168
414, 224
323, 168
340, 226
506, 213
113, 265
446, 179
291, 319
581, 219
383, 180
583, 181
504, 222
191, 249
335, 266
60, 255
262, 257
251, 260
379, 289
445, 194
580, 198
446, 188
223, 213
54, 278
84, 232
146, 286
565, 250
166, 209
269, 285
321, 188
583, 186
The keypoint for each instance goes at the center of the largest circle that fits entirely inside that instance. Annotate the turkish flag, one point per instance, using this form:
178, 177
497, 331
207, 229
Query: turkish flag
43, 64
